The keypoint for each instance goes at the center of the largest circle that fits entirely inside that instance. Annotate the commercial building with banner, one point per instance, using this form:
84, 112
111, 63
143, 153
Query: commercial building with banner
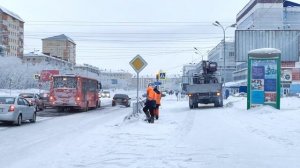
270, 24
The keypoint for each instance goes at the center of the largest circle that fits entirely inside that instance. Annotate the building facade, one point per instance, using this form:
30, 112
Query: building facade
11, 33
269, 15
217, 55
88, 69
269, 24
116, 79
60, 46
34, 58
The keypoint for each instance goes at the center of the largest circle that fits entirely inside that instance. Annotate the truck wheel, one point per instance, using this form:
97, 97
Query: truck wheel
221, 103
195, 105
216, 104
191, 104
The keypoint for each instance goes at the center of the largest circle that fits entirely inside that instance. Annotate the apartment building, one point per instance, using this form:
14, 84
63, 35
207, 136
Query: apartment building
11, 33
60, 46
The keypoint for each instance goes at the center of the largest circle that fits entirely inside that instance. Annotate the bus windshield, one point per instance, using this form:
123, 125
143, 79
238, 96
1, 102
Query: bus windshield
64, 82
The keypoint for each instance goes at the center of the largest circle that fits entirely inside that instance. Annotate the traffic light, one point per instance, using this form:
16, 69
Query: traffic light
157, 76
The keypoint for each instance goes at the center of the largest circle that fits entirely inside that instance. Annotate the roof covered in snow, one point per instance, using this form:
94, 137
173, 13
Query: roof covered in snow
60, 37
265, 51
4, 10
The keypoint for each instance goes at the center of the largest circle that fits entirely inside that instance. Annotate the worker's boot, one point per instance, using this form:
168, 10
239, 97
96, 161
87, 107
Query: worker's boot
152, 119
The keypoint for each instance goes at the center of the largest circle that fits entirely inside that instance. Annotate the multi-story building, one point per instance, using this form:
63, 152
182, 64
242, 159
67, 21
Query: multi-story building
269, 24
269, 15
89, 70
115, 79
186, 68
60, 46
11, 33
217, 55
35, 58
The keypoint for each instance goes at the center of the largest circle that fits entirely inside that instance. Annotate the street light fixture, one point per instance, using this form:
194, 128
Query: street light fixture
218, 24
198, 52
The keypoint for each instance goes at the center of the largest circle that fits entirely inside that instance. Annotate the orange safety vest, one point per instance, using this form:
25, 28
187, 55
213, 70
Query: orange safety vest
150, 93
157, 98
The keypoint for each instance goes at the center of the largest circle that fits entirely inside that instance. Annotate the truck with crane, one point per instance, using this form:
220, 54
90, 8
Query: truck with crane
202, 85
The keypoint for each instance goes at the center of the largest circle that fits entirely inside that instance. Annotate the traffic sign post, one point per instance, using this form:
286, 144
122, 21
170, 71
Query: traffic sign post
138, 64
162, 75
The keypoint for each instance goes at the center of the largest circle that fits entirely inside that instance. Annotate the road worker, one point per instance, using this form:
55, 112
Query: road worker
157, 99
150, 104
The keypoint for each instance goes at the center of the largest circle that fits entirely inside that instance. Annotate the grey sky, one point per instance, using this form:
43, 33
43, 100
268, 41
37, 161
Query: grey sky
109, 33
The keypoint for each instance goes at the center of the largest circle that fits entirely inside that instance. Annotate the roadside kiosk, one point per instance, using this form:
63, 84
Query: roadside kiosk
264, 77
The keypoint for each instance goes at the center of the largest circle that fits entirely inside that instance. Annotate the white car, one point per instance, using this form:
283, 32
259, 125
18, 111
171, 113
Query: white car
15, 110
105, 94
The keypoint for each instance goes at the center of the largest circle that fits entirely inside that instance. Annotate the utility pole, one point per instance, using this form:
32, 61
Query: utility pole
218, 24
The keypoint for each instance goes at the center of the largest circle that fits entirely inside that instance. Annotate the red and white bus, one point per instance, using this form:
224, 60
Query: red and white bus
73, 91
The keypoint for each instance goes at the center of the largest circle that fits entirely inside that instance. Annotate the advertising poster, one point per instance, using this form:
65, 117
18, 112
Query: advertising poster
258, 72
270, 85
46, 75
271, 71
270, 97
257, 84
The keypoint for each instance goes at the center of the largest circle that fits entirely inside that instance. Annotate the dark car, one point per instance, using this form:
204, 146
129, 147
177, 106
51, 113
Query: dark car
34, 99
45, 99
122, 99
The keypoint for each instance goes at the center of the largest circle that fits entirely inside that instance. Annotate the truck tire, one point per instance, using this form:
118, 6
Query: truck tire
195, 105
191, 103
221, 103
218, 103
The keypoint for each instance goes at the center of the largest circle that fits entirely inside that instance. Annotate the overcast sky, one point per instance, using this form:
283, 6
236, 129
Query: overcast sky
109, 33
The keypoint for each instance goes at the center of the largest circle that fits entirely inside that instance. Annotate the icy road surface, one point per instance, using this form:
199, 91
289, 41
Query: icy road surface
207, 137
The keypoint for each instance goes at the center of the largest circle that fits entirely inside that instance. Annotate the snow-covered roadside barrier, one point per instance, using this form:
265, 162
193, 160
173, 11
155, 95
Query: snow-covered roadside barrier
137, 112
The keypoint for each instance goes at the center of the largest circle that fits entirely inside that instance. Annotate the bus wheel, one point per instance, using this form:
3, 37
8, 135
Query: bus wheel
59, 109
86, 107
98, 104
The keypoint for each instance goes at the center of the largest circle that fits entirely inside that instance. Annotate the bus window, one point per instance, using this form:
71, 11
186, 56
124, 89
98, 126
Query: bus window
64, 82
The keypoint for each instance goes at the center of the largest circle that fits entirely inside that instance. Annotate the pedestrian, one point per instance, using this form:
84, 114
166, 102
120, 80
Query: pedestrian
226, 93
157, 99
150, 104
176, 93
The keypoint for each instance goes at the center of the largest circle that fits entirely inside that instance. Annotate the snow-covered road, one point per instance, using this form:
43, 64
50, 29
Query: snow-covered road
205, 137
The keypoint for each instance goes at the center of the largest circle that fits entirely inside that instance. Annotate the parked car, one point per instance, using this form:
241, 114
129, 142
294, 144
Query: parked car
15, 110
45, 99
122, 99
105, 94
34, 99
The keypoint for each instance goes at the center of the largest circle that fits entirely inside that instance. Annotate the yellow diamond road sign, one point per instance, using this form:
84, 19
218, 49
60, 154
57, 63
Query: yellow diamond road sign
138, 63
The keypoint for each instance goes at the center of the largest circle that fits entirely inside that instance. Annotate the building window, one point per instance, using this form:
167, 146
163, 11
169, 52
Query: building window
231, 54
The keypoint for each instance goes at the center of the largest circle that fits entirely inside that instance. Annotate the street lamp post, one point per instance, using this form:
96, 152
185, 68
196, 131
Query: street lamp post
198, 52
218, 24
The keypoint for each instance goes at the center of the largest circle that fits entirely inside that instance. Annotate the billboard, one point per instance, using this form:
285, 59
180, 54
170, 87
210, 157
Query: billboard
264, 78
46, 75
